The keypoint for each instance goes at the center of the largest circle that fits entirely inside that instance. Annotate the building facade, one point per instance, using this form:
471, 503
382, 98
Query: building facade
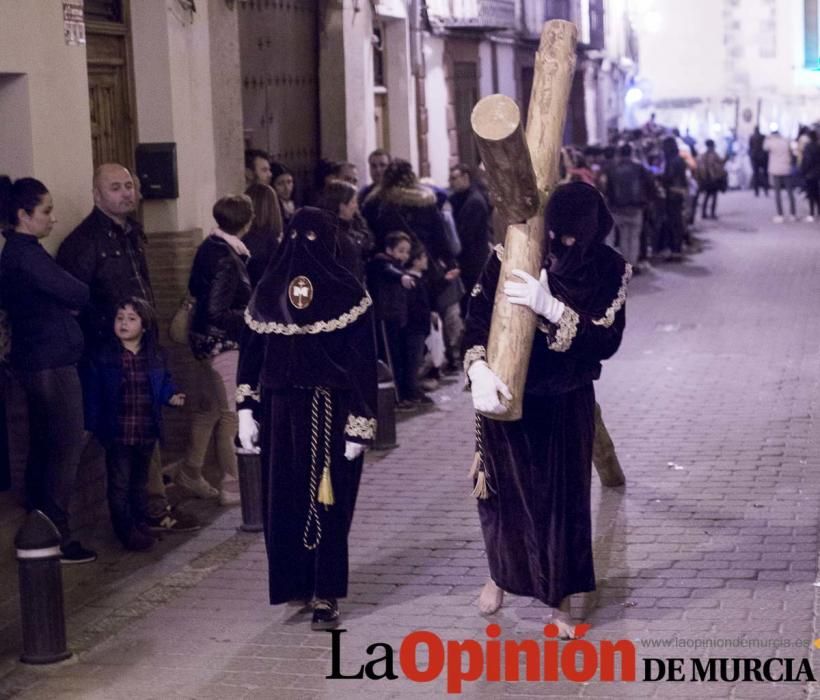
743, 63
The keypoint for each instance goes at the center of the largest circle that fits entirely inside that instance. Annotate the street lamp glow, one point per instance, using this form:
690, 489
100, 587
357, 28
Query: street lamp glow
633, 95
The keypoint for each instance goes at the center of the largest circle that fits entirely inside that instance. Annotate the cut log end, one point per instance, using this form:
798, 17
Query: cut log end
495, 117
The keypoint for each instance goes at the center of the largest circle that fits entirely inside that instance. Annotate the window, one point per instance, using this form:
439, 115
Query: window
104, 11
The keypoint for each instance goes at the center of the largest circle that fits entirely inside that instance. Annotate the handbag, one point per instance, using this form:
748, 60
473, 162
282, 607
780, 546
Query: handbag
180, 326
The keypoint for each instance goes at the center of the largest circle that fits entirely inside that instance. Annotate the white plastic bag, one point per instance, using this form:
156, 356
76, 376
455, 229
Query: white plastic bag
435, 342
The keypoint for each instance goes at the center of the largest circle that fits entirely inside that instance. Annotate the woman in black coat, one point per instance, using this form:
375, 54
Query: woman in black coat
220, 285
400, 203
43, 301
534, 474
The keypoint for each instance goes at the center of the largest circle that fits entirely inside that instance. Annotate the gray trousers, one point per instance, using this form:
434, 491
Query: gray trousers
629, 222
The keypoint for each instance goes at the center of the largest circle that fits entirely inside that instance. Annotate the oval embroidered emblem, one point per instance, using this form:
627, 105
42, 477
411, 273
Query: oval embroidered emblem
300, 292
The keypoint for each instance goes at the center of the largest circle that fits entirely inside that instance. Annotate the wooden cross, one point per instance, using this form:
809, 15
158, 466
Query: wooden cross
521, 171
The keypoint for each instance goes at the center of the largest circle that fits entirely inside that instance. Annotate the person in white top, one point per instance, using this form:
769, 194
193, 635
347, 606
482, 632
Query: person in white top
780, 169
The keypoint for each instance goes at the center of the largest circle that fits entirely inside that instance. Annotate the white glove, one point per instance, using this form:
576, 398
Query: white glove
535, 294
353, 450
485, 386
248, 430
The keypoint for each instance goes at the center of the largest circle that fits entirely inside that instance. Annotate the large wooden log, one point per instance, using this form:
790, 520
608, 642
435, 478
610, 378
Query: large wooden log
499, 135
513, 327
552, 83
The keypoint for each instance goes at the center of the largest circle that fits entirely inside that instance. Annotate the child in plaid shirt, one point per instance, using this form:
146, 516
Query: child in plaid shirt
125, 387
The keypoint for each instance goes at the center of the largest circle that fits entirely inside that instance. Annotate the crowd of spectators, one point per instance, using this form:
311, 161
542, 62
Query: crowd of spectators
83, 326
658, 182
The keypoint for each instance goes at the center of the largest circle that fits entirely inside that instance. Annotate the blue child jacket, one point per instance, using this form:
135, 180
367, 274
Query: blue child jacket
102, 386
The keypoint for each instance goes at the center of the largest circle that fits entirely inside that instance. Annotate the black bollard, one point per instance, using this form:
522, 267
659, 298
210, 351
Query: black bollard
41, 591
386, 418
250, 490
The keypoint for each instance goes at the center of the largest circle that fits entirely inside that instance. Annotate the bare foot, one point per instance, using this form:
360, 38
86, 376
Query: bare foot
566, 627
490, 599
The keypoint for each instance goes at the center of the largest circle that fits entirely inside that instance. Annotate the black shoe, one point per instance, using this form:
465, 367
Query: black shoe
173, 520
138, 541
75, 553
405, 406
325, 614
145, 529
423, 400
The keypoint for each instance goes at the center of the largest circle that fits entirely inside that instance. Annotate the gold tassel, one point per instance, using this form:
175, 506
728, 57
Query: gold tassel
474, 466
326, 488
480, 490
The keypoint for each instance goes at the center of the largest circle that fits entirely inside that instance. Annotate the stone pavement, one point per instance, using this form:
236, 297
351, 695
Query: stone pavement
712, 403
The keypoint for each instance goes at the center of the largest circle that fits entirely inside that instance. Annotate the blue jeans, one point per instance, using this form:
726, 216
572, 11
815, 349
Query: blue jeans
127, 467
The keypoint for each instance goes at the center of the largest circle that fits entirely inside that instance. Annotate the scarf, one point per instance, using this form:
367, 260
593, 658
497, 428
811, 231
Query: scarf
236, 245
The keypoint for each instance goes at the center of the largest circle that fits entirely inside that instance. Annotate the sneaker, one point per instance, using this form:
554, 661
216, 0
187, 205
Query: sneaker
173, 520
405, 406
809, 219
325, 614
423, 400
199, 487
138, 541
229, 498
778, 219
74, 553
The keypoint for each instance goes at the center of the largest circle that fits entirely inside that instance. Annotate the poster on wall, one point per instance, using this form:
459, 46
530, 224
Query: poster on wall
73, 22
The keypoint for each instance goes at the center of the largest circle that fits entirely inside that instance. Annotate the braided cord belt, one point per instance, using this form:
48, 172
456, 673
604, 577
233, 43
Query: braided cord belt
312, 534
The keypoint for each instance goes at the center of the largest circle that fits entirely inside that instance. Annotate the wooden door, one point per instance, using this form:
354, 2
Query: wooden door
109, 84
279, 53
465, 97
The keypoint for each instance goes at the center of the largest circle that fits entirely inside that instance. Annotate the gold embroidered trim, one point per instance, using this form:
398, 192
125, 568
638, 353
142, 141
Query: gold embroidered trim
609, 317
359, 426
499, 251
244, 391
475, 353
567, 329
476, 291
334, 324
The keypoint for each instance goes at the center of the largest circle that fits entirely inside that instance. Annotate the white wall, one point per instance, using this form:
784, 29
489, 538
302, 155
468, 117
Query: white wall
507, 79
435, 88
44, 116
173, 91
687, 50
401, 93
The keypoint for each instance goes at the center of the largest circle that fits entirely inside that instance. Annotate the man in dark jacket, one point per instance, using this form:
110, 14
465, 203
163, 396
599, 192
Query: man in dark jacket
472, 215
107, 252
628, 191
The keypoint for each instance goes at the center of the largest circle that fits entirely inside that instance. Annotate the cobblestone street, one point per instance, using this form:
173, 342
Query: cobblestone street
712, 404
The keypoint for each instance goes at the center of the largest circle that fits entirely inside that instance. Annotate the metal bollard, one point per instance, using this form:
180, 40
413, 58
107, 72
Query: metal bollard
41, 591
250, 490
386, 417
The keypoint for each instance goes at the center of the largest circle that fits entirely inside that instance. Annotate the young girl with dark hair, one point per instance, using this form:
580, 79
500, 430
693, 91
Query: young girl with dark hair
125, 387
